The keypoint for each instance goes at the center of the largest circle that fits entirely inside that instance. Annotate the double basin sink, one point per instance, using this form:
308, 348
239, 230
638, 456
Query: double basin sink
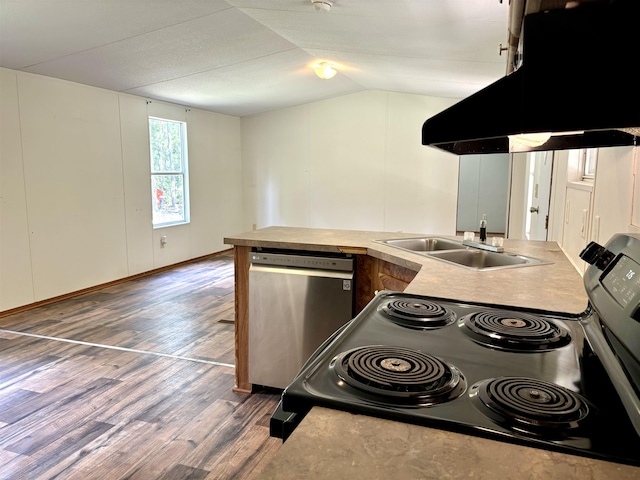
457, 253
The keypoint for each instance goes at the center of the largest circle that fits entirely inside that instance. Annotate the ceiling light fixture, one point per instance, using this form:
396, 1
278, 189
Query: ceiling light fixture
321, 6
325, 70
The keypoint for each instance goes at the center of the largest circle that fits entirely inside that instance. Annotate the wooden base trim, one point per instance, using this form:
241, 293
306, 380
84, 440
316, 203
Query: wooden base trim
30, 306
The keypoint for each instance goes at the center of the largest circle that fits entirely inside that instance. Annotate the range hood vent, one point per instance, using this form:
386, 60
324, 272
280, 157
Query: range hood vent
578, 81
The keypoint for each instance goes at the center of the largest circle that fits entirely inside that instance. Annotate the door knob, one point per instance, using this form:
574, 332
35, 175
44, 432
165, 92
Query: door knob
533, 209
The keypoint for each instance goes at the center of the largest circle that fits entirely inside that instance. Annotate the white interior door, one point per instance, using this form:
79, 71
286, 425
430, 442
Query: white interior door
540, 167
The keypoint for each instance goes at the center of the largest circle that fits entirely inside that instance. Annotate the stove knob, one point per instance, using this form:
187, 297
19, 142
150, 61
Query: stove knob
596, 255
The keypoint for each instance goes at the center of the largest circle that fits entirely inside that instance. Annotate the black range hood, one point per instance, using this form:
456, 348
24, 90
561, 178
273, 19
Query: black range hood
578, 76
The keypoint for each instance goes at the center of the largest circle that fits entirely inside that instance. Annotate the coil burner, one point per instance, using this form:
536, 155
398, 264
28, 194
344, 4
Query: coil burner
530, 405
417, 313
514, 331
399, 375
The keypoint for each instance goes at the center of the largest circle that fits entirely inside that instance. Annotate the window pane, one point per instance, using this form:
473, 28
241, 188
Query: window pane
166, 145
169, 180
168, 199
591, 158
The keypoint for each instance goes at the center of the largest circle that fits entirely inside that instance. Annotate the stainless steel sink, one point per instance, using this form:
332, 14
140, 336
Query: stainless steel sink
485, 260
456, 253
423, 244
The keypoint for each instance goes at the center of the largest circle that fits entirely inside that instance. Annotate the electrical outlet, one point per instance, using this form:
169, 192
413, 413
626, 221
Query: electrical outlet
254, 226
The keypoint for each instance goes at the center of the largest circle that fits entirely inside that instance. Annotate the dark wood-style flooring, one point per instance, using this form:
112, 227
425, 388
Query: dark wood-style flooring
133, 381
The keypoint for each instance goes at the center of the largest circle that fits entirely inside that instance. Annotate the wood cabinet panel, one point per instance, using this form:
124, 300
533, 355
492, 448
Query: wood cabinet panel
393, 277
241, 267
366, 271
373, 275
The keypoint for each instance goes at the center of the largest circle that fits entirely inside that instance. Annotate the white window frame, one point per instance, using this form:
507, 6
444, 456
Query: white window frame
182, 172
588, 163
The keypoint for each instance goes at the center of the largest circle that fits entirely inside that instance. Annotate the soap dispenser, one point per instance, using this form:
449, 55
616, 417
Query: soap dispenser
483, 228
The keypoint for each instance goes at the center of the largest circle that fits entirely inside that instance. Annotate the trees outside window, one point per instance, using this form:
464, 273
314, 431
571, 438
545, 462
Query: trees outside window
169, 174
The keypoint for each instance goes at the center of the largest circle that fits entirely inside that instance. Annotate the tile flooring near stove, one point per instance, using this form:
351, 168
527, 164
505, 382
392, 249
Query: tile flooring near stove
521, 376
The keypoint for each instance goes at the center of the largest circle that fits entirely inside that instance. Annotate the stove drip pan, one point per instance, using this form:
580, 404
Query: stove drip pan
396, 375
530, 405
514, 331
417, 313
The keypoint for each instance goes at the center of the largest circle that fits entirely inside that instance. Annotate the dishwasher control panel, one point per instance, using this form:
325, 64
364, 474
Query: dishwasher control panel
301, 261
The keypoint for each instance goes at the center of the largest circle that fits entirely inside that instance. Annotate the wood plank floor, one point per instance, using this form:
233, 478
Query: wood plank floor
133, 381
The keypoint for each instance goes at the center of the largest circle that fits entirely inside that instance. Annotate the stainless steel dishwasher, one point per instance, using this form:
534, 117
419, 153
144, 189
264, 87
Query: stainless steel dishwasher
296, 301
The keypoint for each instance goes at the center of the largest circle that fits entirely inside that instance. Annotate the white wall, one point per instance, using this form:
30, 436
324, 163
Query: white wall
581, 212
75, 201
352, 162
73, 180
75, 207
16, 281
597, 211
613, 193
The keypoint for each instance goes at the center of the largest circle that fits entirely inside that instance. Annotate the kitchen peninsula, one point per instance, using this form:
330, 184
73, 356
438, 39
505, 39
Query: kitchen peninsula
334, 444
556, 286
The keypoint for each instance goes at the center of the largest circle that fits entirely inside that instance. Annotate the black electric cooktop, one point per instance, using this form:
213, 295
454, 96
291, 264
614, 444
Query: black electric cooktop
563, 382
525, 376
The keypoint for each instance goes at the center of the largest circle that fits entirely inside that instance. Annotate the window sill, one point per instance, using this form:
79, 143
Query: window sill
167, 225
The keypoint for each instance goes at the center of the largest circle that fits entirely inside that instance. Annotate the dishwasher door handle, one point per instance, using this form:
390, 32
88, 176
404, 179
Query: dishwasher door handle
307, 272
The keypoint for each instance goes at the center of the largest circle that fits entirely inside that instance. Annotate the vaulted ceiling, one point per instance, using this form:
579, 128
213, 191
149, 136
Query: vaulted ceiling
241, 57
